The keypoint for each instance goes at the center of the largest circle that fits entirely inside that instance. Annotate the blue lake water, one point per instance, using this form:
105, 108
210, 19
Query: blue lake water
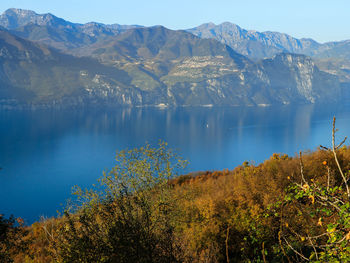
44, 153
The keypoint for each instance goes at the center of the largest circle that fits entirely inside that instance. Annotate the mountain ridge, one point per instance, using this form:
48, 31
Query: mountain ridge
57, 32
251, 43
143, 66
266, 44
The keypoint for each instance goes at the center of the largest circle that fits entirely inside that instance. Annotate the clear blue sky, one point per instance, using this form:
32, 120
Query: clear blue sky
322, 20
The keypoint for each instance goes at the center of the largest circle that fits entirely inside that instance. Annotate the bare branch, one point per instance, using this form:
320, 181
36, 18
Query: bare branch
323, 147
330, 203
336, 159
295, 251
302, 167
313, 246
281, 246
340, 144
331, 244
328, 177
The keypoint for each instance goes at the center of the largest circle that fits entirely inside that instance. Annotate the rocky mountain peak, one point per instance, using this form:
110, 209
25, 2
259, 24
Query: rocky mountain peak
14, 18
10, 18
19, 12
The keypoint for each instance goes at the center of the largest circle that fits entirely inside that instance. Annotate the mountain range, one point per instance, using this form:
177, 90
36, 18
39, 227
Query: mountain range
47, 61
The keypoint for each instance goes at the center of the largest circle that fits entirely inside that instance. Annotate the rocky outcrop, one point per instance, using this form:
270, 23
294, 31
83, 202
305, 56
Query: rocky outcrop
296, 77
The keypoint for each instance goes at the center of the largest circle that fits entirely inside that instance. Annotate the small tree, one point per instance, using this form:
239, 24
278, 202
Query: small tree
130, 217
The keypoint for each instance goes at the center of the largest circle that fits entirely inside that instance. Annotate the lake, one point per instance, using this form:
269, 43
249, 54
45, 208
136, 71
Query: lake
43, 154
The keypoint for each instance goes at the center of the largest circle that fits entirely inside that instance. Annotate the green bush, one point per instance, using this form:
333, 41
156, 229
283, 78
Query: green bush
130, 217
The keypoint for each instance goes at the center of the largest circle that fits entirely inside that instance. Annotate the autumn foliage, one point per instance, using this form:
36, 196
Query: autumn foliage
213, 216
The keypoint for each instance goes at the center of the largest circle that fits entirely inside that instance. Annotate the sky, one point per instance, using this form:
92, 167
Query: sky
322, 20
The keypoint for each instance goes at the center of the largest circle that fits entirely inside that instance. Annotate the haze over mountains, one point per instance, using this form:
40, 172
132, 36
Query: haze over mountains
47, 61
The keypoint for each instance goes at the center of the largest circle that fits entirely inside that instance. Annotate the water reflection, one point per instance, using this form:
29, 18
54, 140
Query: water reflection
45, 153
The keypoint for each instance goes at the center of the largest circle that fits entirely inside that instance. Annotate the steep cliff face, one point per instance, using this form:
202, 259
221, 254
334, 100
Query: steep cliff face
296, 77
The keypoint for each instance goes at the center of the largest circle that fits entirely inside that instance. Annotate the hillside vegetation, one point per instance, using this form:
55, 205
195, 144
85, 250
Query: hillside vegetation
286, 209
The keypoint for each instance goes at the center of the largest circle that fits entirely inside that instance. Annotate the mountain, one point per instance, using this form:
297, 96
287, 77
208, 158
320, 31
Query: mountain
57, 32
14, 18
155, 66
339, 50
31, 74
160, 44
70, 37
139, 66
331, 57
254, 44
334, 58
